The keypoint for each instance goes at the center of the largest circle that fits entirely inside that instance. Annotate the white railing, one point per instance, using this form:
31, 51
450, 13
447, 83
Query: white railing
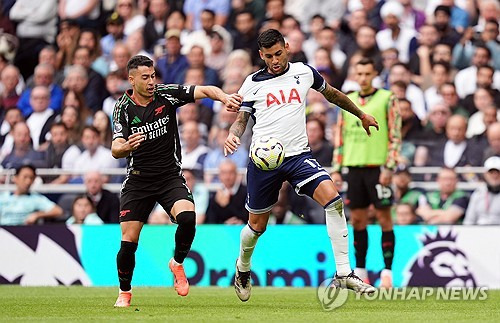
7, 185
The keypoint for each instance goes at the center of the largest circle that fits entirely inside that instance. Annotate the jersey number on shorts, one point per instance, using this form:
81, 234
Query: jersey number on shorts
313, 163
382, 192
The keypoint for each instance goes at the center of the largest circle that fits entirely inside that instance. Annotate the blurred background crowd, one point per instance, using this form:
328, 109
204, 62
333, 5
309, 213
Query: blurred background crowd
63, 66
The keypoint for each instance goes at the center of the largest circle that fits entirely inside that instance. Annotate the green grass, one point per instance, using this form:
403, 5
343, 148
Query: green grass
65, 304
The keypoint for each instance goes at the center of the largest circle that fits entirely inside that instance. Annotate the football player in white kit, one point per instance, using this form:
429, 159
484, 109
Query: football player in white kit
275, 97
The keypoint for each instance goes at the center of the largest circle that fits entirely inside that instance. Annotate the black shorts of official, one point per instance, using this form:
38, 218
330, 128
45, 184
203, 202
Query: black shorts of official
139, 195
363, 189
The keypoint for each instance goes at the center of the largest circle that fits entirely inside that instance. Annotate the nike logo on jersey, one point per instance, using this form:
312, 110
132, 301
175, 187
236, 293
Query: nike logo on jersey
275, 99
136, 120
257, 90
159, 110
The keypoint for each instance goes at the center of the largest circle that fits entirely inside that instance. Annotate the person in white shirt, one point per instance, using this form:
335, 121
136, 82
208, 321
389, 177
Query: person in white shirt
95, 156
484, 204
41, 119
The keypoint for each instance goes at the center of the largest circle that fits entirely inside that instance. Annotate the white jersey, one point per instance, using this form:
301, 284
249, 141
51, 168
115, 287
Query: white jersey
278, 104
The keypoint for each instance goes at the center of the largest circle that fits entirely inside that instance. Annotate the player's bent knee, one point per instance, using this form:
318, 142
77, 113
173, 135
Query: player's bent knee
187, 218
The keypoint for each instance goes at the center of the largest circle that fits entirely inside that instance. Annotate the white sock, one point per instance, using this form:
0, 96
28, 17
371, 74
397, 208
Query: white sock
248, 240
337, 231
175, 263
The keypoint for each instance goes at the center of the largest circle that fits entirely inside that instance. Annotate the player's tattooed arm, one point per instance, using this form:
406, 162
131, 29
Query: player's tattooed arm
341, 100
235, 132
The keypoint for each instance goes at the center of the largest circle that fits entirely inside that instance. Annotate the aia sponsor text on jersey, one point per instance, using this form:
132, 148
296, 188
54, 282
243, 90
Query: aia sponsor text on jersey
282, 97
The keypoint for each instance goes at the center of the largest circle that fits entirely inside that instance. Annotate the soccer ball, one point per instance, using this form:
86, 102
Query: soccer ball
267, 153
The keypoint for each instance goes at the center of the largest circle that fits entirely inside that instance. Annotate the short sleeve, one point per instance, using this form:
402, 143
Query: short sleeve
43, 204
461, 202
176, 94
120, 123
319, 83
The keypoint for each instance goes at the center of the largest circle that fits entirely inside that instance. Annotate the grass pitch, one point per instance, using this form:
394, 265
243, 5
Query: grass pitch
213, 304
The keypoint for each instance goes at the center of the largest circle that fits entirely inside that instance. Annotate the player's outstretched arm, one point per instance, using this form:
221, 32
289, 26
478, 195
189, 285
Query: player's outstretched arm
122, 148
235, 132
340, 99
231, 101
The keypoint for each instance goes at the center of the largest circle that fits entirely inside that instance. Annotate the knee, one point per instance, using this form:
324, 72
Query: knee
358, 222
257, 225
186, 218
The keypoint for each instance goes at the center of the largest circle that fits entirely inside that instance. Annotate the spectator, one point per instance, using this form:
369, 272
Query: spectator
85, 12
389, 58
173, 63
69, 30
295, 39
132, 18
328, 39
420, 61
120, 56
196, 59
95, 156
44, 76
372, 10
114, 28
115, 86
348, 31
89, 39
42, 117
463, 51
155, 26
455, 151
403, 194
321, 149
245, 35
482, 100
12, 116
25, 207
193, 10
103, 123
48, 55
107, 204
22, 151
484, 79
95, 91
218, 56
77, 100
216, 155
450, 97
411, 130
493, 134
34, 31
401, 72
442, 21
135, 44
227, 204
484, 205
193, 153
405, 214
58, 152
280, 213
479, 142
488, 10
466, 79
396, 35
447, 205
70, 117
440, 74
9, 79
83, 212
412, 17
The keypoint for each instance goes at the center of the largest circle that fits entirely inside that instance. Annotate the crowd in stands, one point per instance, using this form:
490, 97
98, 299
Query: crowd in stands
63, 67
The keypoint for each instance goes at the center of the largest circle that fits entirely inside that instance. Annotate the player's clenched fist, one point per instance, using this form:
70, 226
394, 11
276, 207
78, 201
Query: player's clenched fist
231, 144
135, 140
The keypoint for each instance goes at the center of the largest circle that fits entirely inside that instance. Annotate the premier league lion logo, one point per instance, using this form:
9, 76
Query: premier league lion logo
441, 264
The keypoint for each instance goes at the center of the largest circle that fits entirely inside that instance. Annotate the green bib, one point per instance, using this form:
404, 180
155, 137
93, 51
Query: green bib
358, 148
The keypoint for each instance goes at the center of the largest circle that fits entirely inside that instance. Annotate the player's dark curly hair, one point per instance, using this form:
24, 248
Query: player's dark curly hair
269, 38
138, 60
